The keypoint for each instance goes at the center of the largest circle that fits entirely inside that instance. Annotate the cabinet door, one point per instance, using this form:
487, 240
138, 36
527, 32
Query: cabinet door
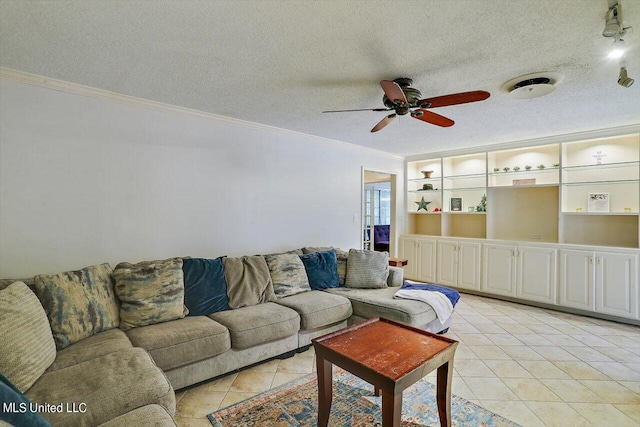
469, 265
616, 284
447, 266
537, 274
409, 250
499, 269
427, 260
577, 279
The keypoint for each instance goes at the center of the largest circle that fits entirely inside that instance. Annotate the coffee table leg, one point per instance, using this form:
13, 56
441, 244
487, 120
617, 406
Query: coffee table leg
445, 377
325, 391
391, 409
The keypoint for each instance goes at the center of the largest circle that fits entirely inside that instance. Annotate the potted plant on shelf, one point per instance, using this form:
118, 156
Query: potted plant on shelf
516, 168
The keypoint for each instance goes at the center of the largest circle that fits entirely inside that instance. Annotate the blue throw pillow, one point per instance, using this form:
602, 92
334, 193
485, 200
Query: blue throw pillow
205, 288
15, 408
322, 269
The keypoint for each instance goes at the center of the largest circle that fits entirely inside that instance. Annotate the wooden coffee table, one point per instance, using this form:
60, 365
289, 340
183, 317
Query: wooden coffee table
391, 356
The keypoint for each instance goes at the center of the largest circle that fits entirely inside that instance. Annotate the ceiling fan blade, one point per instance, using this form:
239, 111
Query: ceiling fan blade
433, 118
393, 91
383, 122
455, 98
364, 109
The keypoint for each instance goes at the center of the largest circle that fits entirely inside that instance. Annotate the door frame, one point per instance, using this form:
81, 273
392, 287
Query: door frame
394, 195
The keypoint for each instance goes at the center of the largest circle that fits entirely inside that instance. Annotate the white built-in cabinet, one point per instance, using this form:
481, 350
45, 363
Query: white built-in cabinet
592, 279
604, 282
421, 256
537, 273
526, 272
458, 264
553, 223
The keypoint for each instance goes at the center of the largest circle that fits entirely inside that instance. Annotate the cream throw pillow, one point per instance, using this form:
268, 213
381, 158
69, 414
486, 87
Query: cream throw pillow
27, 348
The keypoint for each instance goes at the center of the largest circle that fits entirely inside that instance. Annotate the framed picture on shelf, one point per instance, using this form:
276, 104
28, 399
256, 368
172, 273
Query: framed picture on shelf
598, 202
456, 204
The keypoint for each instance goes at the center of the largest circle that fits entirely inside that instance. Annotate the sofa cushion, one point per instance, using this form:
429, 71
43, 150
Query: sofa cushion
205, 288
89, 348
78, 303
321, 268
9, 394
367, 269
288, 274
248, 281
370, 303
341, 255
148, 415
318, 309
250, 326
150, 292
109, 385
183, 341
27, 347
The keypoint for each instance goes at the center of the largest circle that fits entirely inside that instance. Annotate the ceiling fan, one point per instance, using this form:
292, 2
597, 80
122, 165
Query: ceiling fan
403, 99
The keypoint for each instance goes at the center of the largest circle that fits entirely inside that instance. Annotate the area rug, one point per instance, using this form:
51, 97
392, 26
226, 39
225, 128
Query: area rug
354, 405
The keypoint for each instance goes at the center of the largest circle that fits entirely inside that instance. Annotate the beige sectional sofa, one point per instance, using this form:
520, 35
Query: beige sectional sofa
128, 377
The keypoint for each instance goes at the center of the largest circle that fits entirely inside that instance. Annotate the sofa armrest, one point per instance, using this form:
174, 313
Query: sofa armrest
396, 276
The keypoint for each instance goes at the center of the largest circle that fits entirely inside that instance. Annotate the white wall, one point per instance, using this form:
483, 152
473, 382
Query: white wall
86, 180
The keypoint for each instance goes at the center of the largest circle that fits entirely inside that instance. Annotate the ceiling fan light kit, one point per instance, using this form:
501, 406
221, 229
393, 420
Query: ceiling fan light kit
400, 97
532, 85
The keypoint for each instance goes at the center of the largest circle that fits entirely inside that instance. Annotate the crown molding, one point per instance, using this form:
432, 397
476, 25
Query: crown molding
92, 92
554, 139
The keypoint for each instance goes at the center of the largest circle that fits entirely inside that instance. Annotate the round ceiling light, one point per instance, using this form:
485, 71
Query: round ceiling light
532, 85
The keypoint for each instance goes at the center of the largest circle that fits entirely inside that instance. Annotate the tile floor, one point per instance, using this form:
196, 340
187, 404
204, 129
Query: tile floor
534, 366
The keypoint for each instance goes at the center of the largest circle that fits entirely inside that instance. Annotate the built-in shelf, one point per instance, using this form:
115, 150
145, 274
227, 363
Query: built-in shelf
601, 166
525, 171
466, 176
611, 181
551, 202
601, 213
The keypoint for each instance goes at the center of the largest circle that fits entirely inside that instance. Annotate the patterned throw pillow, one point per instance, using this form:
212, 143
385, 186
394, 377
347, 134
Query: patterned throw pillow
340, 254
367, 269
27, 348
150, 292
248, 281
321, 269
79, 303
287, 274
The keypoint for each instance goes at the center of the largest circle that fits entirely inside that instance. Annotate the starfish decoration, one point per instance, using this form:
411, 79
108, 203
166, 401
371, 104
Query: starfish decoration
422, 204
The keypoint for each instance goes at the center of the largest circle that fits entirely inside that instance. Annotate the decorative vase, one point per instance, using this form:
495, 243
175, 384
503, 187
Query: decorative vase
427, 174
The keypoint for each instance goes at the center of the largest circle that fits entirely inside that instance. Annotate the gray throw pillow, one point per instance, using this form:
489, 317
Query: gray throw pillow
248, 281
27, 348
78, 303
367, 269
288, 274
150, 292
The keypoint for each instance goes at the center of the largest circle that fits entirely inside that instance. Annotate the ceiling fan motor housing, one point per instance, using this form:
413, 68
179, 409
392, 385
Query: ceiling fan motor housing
413, 96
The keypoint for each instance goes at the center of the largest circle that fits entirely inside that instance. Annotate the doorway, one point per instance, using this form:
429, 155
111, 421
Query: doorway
378, 211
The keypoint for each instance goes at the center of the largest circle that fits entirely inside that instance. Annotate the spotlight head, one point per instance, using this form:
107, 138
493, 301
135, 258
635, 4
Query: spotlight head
613, 21
623, 79
611, 28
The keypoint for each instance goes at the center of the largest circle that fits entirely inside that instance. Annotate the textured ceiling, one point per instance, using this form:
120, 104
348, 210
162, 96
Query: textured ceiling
281, 63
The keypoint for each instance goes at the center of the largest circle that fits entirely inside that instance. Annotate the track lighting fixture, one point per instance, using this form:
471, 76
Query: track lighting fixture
613, 21
624, 80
